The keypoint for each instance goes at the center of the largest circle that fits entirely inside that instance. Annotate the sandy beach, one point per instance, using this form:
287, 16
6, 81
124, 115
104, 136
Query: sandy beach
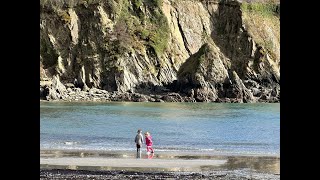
71, 164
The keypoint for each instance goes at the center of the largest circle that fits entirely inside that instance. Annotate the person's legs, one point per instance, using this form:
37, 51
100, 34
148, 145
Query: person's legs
148, 149
138, 151
150, 156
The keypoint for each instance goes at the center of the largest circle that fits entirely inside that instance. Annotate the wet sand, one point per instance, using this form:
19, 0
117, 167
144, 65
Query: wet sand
69, 164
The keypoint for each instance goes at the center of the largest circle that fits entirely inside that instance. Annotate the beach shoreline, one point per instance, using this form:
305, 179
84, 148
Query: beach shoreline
89, 164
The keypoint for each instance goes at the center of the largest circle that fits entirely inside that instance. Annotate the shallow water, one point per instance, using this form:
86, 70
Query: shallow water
203, 127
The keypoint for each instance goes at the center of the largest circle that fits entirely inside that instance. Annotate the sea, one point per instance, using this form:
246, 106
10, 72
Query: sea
221, 128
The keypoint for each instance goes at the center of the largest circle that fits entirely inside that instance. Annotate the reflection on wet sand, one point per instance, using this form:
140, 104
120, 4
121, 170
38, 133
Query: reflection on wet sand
261, 164
161, 161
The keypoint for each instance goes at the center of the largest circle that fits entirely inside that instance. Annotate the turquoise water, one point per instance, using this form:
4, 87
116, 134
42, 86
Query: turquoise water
210, 127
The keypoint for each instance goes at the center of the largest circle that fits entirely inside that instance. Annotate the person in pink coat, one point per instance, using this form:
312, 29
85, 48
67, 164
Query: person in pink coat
149, 142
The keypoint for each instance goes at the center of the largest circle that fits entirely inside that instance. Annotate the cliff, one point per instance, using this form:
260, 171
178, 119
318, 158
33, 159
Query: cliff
159, 50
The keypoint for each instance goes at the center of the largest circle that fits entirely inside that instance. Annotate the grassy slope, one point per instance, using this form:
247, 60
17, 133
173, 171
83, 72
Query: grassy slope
263, 24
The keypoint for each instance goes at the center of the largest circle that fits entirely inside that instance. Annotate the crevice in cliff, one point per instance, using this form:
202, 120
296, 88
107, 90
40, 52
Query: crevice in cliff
206, 4
207, 8
228, 37
185, 42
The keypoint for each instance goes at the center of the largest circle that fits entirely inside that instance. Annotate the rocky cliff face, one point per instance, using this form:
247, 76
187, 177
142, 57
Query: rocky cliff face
157, 50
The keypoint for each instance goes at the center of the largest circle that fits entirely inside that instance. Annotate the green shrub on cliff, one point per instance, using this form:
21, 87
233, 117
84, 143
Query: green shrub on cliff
160, 34
263, 24
156, 3
268, 8
153, 28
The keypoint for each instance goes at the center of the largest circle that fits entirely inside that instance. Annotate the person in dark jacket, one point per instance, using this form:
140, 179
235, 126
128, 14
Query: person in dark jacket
139, 141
